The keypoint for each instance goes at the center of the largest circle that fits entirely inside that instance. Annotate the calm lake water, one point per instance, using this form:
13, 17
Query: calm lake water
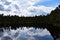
25, 34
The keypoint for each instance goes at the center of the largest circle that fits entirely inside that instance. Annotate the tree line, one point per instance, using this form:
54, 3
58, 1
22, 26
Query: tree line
50, 21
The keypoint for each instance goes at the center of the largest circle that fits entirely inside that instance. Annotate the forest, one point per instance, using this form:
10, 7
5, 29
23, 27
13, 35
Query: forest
50, 21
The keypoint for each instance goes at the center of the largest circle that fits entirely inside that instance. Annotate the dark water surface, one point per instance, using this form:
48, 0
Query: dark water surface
25, 34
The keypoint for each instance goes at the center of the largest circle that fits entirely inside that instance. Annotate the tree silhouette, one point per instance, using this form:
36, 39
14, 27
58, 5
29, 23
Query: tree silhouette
50, 21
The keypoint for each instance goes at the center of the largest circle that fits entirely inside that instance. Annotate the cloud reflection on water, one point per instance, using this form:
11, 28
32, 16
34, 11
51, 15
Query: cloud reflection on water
25, 34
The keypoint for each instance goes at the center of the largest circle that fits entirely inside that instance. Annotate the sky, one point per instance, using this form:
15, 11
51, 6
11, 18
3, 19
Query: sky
27, 7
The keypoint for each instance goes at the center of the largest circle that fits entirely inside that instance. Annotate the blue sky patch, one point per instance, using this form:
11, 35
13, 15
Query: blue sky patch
51, 3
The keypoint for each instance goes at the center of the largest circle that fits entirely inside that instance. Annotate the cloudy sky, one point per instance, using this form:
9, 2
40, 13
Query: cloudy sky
27, 7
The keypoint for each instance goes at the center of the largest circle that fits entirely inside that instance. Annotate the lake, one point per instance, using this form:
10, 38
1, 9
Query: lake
25, 33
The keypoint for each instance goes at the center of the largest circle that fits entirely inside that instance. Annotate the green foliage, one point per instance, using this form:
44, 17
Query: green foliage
55, 17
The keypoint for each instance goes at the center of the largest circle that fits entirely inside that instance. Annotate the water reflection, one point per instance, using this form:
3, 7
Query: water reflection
25, 34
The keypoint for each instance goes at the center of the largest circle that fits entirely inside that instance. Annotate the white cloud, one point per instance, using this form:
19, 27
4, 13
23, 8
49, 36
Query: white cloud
24, 8
40, 10
46, 9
